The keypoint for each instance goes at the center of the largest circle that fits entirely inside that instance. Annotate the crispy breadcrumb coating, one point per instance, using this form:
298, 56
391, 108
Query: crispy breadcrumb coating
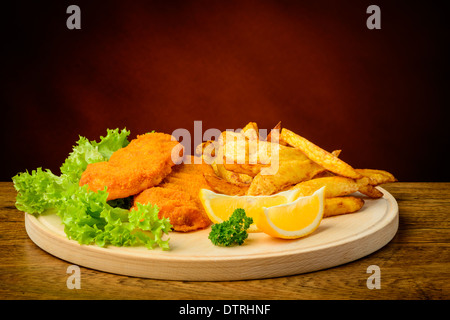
177, 197
144, 163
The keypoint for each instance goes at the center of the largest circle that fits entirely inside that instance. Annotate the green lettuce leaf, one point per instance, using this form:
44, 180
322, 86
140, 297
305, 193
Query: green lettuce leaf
88, 218
113, 141
150, 228
38, 191
86, 152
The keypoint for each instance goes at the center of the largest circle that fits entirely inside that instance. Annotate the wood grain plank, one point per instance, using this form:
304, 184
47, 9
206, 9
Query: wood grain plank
415, 265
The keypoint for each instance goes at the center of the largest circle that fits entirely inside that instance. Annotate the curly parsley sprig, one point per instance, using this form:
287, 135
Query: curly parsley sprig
232, 231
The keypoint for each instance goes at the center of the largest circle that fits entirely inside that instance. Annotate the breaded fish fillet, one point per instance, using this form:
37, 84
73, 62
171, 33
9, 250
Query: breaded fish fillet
177, 197
144, 163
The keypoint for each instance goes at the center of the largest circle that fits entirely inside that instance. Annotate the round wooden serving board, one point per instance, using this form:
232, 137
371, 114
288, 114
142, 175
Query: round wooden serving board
193, 257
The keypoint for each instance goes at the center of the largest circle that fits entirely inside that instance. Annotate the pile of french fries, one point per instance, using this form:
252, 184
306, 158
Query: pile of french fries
243, 165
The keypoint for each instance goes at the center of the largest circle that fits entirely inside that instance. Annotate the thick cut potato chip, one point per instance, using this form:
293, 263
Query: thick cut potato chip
208, 147
220, 185
370, 191
324, 174
293, 167
231, 176
336, 153
276, 128
367, 189
290, 153
244, 151
235, 147
318, 155
274, 135
377, 177
249, 169
289, 173
251, 131
341, 205
248, 157
252, 166
334, 186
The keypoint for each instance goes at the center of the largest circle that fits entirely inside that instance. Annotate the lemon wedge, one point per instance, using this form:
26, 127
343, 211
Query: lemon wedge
293, 220
220, 207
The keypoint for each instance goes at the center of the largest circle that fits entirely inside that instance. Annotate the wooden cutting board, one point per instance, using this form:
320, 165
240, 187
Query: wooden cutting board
193, 257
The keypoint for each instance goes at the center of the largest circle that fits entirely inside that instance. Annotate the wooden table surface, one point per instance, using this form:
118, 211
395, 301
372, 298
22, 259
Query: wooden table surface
414, 265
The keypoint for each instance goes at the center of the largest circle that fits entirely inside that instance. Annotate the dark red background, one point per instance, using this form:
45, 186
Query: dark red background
379, 95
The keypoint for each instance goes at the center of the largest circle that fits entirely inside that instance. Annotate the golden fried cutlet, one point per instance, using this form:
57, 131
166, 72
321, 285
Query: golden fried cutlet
183, 212
144, 163
177, 197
